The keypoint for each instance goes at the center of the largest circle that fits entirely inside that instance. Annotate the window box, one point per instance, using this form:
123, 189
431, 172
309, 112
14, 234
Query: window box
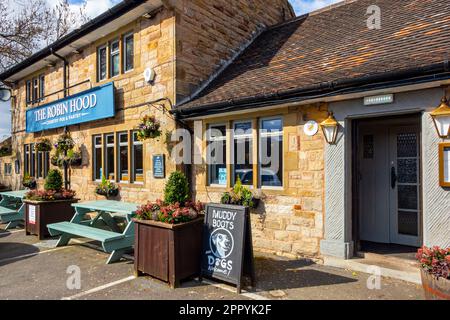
170, 253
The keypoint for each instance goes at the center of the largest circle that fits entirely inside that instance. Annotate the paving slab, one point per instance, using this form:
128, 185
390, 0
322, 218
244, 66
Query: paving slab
284, 279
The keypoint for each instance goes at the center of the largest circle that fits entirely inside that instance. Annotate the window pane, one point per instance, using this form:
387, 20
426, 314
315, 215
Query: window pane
97, 161
123, 157
138, 162
115, 59
28, 92
35, 89
26, 161
40, 165
42, 87
102, 63
46, 163
243, 153
110, 172
129, 53
216, 154
271, 153
408, 197
33, 161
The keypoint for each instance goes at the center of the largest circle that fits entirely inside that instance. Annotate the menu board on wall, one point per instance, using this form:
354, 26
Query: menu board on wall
444, 164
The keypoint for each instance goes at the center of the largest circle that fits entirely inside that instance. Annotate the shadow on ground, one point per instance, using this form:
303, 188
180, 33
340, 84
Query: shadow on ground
4, 233
283, 274
11, 252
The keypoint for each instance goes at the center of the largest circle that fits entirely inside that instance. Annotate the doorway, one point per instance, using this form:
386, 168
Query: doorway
387, 181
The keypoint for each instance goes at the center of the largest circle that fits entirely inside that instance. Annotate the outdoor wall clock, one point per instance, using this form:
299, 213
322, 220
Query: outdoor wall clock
311, 128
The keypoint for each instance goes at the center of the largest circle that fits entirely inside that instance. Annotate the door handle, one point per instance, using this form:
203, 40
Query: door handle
393, 178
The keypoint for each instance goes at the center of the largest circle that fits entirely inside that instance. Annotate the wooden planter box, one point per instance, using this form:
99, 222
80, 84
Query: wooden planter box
435, 289
40, 214
170, 253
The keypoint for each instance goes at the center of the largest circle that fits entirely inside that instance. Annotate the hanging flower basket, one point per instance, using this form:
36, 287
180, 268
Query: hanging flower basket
149, 128
44, 145
64, 143
74, 158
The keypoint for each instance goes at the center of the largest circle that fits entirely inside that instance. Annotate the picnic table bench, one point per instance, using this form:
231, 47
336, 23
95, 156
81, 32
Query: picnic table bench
12, 208
115, 242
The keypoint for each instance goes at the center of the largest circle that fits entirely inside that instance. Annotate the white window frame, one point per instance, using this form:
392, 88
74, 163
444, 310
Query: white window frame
125, 58
105, 154
27, 159
94, 158
233, 138
260, 137
214, 139
112, 54
99, 63
136, 142
123, 144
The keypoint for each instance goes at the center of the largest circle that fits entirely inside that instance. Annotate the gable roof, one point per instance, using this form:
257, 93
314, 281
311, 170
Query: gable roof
330, 49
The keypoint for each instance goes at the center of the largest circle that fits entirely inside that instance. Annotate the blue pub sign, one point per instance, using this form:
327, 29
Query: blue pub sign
94, 104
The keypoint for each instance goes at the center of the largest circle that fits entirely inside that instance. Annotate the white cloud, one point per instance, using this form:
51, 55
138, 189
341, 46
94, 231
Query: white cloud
93, 7
305, 6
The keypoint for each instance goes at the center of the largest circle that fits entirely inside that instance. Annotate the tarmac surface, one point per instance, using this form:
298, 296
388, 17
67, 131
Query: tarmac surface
35, 270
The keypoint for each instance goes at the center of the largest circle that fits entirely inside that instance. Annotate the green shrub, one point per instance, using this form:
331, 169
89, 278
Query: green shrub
54, 180
177, 189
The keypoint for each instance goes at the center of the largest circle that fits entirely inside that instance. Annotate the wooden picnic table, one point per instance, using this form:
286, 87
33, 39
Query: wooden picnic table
12, 208
113, 241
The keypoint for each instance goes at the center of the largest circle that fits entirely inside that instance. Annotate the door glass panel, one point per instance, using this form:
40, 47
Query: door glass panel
408, 197
408, 223
368, 146
407, 170
407, 145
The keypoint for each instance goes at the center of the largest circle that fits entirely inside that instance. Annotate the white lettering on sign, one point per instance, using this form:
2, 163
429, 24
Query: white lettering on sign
67, 108
32, 214
221, 242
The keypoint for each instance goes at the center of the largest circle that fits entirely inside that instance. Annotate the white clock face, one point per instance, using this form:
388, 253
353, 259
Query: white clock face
311, 128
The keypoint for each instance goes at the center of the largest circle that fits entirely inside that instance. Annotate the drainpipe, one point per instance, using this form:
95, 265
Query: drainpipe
66, 93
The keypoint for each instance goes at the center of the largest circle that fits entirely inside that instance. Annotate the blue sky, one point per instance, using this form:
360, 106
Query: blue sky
95, 7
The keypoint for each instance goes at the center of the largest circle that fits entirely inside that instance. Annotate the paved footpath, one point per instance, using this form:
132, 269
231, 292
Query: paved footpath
30, 269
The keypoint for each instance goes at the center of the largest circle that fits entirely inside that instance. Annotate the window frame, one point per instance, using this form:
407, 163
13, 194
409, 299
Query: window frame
41, 87
113, 54
124, 52
134, 143
96, 146
28, 91
119, 163
32, 161
252, 150
260, 137
105, 155
224, 138
27, 159
99, 64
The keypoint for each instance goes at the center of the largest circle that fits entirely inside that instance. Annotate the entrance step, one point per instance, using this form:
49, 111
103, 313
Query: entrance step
390, 267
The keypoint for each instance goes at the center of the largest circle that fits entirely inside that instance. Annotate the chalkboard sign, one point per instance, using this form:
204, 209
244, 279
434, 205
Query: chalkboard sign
159, 167
227, 244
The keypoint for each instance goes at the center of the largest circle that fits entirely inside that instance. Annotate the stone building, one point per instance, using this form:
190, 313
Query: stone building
255, 74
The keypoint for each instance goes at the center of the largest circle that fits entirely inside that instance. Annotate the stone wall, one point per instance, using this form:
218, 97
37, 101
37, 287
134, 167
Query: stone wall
288, 222
154, 47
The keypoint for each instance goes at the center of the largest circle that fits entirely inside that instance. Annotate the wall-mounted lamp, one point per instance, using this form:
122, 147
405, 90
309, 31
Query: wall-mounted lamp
330, 129
441, 118
5, 94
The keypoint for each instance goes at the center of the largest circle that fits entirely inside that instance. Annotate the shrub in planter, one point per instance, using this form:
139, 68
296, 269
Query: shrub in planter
43, 146
149, 128
435, 271
177, 189
54, 180
28, 181
107, 188
51, 205
240, 196
169, 235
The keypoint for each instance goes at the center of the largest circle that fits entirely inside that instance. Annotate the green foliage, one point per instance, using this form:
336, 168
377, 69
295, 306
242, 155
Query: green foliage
5, 151
54, 181
28, 181
177, 189
107, 188
239, 195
